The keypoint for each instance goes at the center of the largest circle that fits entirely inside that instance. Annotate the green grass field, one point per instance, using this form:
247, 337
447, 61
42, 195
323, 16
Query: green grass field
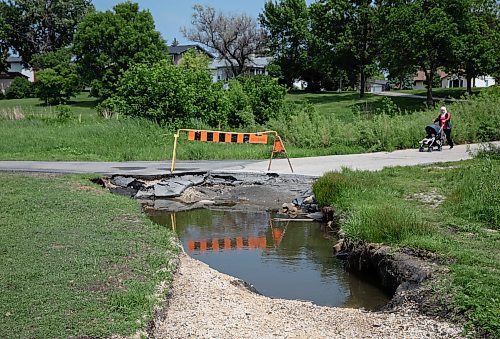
75, 260
452, 210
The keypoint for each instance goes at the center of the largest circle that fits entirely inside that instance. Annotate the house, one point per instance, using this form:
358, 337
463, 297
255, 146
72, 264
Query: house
221, 69
16, 69
177, 52
376, 86
452, 80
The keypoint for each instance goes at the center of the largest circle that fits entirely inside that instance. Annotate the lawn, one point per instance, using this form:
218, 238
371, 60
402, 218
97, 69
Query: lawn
310, 125
452, 210
75, 260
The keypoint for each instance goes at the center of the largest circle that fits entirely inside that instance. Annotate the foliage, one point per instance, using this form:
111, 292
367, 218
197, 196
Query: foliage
19, 88
106, 44
286, 24
166, 93
41, 26
57, 81
4, 34
235, 38
265, 97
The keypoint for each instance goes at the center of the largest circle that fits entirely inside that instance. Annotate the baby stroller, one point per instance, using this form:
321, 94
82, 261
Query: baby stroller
435, 138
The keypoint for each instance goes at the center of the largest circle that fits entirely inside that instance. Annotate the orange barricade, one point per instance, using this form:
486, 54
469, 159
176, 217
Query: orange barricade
230, 137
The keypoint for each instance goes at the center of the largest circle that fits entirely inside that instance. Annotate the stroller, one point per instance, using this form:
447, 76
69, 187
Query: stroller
435, 138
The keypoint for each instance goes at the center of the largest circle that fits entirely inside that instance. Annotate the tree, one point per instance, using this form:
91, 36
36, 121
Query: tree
57, 81
476, 45
19, 88
106, 44
39, 26
235, 38
4, 45
347, 29
286, 24
417, 34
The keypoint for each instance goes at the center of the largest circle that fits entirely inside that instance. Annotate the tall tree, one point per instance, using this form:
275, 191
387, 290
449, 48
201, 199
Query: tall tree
39, 26
286, 23
235, 38
108, 43
475, 46
417, 34
4, 34
347, 29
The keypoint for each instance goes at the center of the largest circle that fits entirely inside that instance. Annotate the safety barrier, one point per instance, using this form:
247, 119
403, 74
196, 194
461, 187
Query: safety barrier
230, 137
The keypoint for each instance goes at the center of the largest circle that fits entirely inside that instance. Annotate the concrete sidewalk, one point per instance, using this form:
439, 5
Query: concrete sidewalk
313, 166
316, 166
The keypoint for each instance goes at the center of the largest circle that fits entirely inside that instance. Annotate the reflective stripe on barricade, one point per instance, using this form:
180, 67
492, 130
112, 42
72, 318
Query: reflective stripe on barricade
232, 137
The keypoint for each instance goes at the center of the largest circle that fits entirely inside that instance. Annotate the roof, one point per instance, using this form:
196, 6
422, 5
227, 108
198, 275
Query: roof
14, 59
257, 62
181, 49
11, 75
420, 76
378, 82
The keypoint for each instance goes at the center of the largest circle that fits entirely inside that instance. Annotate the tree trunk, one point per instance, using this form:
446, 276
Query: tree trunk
428, 79
362, 83
469, 83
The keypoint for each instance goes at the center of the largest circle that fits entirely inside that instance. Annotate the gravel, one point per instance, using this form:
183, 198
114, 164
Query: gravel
208, 304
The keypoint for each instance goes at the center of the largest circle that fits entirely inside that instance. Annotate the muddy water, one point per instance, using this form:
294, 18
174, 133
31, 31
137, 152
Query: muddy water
290, 260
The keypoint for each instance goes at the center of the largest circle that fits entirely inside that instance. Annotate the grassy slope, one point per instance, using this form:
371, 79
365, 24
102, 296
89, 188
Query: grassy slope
75, 261
384, 207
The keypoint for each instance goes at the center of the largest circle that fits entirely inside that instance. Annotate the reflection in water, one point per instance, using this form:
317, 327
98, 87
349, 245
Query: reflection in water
281, 259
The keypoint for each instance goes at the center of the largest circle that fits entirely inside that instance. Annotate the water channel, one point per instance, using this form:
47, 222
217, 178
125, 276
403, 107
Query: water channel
290, 260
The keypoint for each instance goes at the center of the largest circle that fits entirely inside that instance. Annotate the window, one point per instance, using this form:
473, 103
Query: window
486, 83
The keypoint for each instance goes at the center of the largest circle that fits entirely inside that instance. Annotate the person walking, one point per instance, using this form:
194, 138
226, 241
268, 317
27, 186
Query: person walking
444, 119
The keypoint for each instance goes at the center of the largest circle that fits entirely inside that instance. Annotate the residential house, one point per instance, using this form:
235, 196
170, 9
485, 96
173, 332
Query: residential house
177, 52
16, 69
376, 86
221, 69
452, 80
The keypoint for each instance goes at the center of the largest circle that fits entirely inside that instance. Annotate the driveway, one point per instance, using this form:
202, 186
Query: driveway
312, 166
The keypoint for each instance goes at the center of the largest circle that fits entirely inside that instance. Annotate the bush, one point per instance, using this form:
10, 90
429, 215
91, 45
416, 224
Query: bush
19, 88
57, 85
169, 93
264, 96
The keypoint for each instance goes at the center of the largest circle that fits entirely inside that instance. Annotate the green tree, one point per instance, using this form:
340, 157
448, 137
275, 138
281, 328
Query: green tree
57, 81
417, 34
475, 47
167, 93
348, 30
106, 44
19, 88
4, 44
286, 23
38, 26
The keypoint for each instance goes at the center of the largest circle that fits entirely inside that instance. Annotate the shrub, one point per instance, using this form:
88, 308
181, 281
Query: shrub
169, 93
265, 97
57, 85
19, 88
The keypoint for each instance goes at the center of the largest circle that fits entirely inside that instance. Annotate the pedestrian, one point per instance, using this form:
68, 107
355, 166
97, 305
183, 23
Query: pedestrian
444, 119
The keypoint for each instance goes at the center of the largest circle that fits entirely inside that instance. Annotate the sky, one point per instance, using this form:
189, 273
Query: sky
171, 15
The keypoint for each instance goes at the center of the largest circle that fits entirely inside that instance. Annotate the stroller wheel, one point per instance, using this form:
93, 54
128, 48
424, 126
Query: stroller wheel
421, 149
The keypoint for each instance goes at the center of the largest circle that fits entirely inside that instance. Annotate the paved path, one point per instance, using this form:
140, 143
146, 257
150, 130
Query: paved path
414, 96
313, 166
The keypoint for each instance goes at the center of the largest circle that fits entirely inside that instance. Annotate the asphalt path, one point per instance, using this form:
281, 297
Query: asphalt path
312, 166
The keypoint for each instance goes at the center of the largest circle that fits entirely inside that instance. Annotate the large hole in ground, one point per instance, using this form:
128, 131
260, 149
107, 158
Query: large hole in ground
290, 260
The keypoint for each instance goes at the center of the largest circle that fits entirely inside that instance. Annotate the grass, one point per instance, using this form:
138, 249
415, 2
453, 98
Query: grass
76, 261
387, 207
310, 125
449, 93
